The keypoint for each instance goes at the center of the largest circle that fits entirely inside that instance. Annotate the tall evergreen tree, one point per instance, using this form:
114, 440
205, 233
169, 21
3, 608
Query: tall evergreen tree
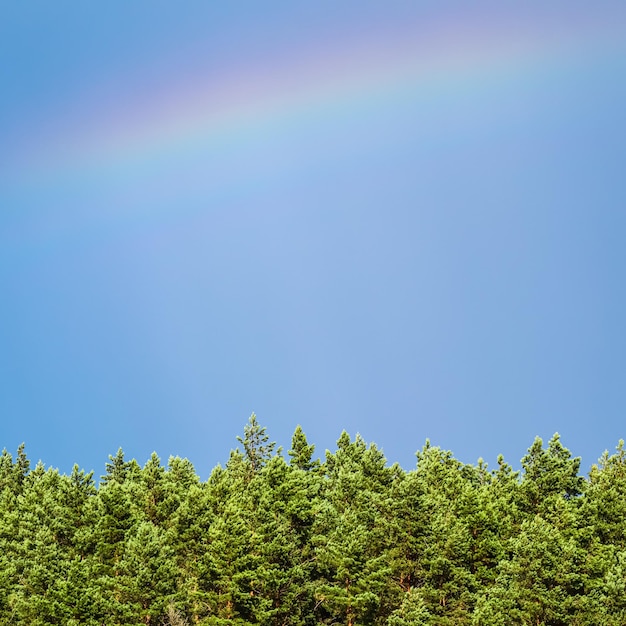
548, 474
257, 447
117, 469
350, 534
301, 452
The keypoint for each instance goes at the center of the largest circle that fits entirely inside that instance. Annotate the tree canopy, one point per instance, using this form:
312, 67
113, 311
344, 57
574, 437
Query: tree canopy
349, 539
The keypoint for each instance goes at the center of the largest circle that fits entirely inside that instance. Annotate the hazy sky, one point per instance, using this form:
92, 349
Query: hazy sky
403, 219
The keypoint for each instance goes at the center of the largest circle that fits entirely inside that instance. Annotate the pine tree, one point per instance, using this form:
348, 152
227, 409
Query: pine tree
602, 537
350, 534
548, 474
451, 534
42, 551
255, 444
190, 524
147, 573
301, 452
225, 560
538, 583
117, 518
117, 470
282, 521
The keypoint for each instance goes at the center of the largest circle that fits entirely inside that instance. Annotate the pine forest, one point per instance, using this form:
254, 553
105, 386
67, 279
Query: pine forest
281, 539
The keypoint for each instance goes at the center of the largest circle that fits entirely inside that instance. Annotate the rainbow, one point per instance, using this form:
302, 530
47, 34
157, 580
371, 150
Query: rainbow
181, 120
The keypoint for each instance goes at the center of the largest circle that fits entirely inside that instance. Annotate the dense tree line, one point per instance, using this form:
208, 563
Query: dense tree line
274, 540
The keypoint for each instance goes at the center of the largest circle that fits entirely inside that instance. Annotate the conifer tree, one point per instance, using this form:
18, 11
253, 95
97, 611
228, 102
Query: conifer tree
301, 452
349, 534
548, 474
604, 508
538, 583
117, 469
257, 448
449, 535
41, 557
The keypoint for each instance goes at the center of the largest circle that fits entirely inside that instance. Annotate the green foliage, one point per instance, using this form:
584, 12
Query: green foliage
549, 474
256, 444
350, 541
412, 611
301, 452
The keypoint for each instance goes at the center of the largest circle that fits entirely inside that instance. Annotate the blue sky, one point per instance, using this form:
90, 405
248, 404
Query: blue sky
397, 219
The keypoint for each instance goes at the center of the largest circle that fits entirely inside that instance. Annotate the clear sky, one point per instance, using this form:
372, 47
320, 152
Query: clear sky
403, 219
